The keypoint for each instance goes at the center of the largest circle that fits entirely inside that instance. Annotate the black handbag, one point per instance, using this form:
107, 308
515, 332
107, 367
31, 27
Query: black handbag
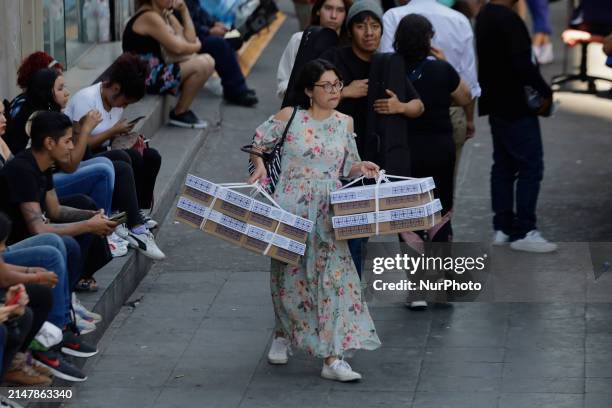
262, 17
272, 159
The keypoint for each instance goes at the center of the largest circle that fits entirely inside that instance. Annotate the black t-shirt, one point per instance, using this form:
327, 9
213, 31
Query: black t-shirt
435, 82
22, 181
351, 68
505, 63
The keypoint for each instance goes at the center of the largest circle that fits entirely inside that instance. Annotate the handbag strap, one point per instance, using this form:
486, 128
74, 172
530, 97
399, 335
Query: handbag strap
282, 141
417, 72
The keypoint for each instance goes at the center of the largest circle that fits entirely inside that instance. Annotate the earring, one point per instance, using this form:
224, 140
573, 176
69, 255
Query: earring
310, 102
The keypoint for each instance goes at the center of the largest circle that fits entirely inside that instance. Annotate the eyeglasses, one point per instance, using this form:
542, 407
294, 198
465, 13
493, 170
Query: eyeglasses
329, 87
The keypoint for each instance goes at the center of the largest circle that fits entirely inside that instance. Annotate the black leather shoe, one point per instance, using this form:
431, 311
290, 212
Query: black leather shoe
245, 99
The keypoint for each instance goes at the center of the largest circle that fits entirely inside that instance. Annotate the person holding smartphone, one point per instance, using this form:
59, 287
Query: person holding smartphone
123, 85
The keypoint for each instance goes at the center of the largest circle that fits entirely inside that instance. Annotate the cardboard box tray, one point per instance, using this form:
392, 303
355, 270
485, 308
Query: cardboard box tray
240, 233
247, 209
391, 221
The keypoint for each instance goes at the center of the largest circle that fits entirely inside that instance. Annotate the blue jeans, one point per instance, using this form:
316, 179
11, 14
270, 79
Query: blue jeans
517, 163
49, 251
540, 15
356, 247
94, 178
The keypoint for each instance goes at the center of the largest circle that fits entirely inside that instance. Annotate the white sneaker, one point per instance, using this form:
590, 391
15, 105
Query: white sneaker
279, 351
500, 238
84, 326
82, 311
117, 245
145, 243
533, 242
339, 370
545, 54
149, 222
417, 305
122, 231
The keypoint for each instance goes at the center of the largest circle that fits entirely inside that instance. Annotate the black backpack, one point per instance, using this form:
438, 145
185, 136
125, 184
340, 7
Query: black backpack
387, 140
315, 41
262, 17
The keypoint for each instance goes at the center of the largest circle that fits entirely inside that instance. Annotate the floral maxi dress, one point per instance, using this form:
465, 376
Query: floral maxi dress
318, 305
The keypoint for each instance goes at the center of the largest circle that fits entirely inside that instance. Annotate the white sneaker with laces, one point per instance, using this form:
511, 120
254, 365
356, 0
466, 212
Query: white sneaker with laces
122, 231
339, 370
84, 326
500, 238
280, 349
145, 243
533, 242
149, 222
118, 246
82, 311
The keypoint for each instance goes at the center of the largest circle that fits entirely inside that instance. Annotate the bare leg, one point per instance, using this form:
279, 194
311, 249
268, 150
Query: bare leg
195, 72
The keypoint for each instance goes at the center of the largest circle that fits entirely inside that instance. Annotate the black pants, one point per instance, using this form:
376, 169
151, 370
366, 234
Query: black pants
15, 332
226, 64
145, 167
125, 193
518, 167
94, 249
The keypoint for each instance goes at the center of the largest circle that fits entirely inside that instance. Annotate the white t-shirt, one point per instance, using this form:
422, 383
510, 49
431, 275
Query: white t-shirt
90, 98
285, 65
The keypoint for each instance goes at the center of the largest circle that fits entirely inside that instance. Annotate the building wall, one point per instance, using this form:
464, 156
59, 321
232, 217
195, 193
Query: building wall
21, 25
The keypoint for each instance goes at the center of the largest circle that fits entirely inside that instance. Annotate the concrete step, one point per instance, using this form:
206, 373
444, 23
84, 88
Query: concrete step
119, 278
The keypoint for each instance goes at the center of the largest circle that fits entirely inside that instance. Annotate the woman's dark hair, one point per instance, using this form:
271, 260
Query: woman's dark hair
309, 75
39, 95
130, 73
5, 227
48, 124
413, 38
315, 19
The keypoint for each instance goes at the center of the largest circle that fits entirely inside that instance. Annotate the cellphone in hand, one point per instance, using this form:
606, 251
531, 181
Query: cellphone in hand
119, 217
133, 121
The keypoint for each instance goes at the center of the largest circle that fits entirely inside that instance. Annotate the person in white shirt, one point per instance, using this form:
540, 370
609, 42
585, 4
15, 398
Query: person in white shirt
455, 38
123, 86
326, 13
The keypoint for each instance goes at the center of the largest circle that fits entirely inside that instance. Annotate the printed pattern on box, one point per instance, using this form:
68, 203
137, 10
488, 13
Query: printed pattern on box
247, 209
389, 222
391, 195
238, 232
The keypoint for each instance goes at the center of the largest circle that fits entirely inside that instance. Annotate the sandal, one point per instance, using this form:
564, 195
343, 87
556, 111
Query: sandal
86, 285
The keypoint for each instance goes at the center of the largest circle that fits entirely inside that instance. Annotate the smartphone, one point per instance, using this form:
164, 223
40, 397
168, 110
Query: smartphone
15, 299
119, 217
133, 121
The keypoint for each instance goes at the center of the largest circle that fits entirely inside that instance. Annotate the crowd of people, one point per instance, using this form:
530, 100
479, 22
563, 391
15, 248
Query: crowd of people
326, 134
75, 185
76, 181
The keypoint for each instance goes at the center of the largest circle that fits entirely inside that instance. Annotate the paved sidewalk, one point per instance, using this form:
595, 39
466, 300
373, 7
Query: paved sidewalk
202, 321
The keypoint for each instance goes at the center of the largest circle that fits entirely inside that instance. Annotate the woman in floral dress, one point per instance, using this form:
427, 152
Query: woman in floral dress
318, 305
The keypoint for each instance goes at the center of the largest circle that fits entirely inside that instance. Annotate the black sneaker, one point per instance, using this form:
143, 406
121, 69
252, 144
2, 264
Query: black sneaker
187, 119
74, 346
59, 367
246, 99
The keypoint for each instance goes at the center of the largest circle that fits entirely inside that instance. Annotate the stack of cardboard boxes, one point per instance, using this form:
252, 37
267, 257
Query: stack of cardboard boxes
406, 205
243, 220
